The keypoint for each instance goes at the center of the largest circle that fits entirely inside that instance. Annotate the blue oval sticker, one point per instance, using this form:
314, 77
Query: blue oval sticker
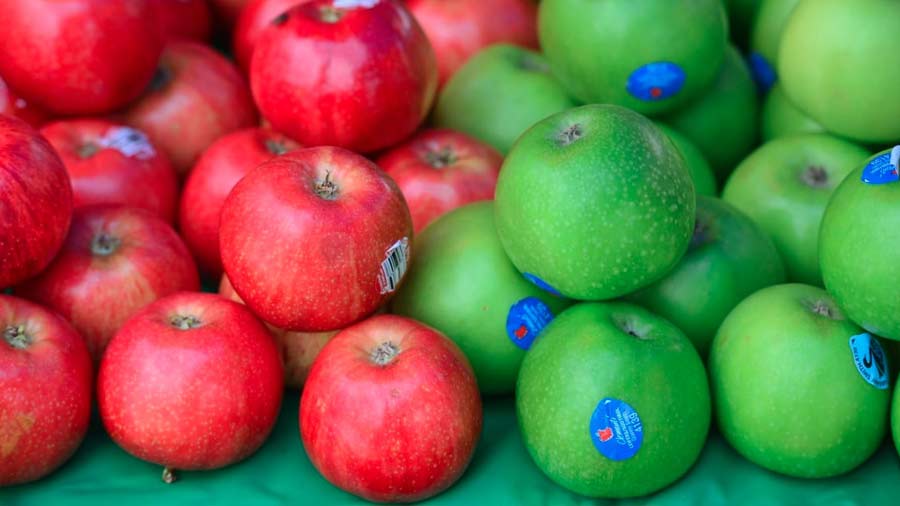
880, 170
870, 361
616, 429
763, 71
540, 283
525, 320
656, 81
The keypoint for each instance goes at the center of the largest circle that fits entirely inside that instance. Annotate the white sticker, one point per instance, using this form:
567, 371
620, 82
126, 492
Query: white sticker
352, 4
128, 141
394, 266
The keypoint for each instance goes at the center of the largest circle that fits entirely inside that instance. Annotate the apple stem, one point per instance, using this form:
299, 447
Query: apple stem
105, 245
326, 189
185, 322
384, 353
570, 135
168, 475
820, 307
15, 336
440, 158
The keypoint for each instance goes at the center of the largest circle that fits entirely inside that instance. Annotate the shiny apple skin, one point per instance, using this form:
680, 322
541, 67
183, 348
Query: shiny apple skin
363, 82
98, 288
440, 170
46, 386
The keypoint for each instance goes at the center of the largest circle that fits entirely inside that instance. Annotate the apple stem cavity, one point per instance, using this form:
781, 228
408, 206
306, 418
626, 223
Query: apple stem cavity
326, 188
815, 176
185, 322
384, 353
276, 147
630, 327
280, 19
15, 336
823, 308
168, 475
532, 64
161, 78
701, 234
569, 135
440, 158
88, 150
104, 245
330, 14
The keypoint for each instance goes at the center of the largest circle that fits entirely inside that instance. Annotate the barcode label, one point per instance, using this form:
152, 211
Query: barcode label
128, 141
394, 266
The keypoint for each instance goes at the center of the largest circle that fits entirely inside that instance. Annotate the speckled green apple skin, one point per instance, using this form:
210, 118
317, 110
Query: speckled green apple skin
724, 121
584, 356
786, 390
602, 216
593, 47
701, 173
848, 79
768, 25
768, 186
859, 250
463, 285
498, 94
730, 257
781, 118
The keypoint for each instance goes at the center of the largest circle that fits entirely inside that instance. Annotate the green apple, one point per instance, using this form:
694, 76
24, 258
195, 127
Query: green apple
895, 419
613, 401
859, 250
785, 185
781, 118
729, 258
723, 122
463, 285
701, 172
768, 25
839, 63
594, 202
498, 94
797, 387
650, 56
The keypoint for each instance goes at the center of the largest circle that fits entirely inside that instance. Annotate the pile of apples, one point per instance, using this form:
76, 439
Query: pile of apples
407, 205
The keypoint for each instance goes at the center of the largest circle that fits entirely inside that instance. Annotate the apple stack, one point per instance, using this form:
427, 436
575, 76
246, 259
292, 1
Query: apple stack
408, 205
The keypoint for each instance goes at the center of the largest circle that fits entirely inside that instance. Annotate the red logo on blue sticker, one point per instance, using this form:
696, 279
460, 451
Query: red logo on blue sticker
540, 283
870, 361
525, 321
763, 72
881, 170
616, 429
656, 81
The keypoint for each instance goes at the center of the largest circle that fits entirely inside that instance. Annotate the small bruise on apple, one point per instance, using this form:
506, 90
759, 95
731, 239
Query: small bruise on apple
12, 428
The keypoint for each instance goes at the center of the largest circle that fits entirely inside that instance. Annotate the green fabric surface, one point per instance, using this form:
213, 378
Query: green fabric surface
501, 473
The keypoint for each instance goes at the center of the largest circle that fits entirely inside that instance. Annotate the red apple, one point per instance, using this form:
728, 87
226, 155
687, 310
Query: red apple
11, 104
184, 19
110, 163
440, 170
115, 261
35, 201
219, 168
45, 391
298, 349
193, 381
458, 29
256, 16
196, 97
227, 11
79, 56
315, 239
391, 411
362, 75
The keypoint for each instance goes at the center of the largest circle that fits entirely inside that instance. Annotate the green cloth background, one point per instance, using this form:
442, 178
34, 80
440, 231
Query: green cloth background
501, 473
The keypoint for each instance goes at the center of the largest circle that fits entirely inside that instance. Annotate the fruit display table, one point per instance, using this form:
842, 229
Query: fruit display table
501, 473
